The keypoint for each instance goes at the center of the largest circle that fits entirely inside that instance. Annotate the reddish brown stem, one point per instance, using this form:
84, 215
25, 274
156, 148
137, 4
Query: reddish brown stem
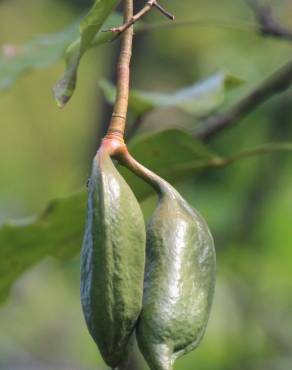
157, 183
119, 116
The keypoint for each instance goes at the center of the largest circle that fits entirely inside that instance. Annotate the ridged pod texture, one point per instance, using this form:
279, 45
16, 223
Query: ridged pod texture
112, 261
179, 281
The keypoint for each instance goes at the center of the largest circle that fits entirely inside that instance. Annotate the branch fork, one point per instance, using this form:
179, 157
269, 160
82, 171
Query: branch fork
135, 18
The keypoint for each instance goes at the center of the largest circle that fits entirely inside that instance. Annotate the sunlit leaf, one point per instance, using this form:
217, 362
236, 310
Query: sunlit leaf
198, 99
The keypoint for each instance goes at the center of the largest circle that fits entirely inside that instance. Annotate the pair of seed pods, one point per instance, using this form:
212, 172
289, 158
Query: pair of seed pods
163, 295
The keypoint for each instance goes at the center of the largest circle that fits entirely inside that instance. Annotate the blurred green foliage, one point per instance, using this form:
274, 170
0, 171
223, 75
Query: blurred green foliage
45, 153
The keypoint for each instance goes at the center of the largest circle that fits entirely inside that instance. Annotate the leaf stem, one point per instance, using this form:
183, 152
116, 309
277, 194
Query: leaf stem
119, 116
160, 185
155, 181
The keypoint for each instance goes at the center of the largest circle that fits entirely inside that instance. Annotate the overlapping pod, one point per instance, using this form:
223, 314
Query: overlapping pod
179, 280
112, 261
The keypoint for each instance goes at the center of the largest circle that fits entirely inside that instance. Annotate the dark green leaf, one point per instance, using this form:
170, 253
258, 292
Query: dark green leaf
89, 28
57, 232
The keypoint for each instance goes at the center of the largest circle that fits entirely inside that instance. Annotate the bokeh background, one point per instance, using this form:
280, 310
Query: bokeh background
46, 152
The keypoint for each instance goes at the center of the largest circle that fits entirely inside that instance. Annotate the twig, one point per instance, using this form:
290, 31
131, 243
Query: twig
268, 26
278, 82
135, 18
164, 11
118, 121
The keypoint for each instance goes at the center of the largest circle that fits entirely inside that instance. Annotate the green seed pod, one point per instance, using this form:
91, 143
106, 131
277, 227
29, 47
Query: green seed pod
179, 280
112, 261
